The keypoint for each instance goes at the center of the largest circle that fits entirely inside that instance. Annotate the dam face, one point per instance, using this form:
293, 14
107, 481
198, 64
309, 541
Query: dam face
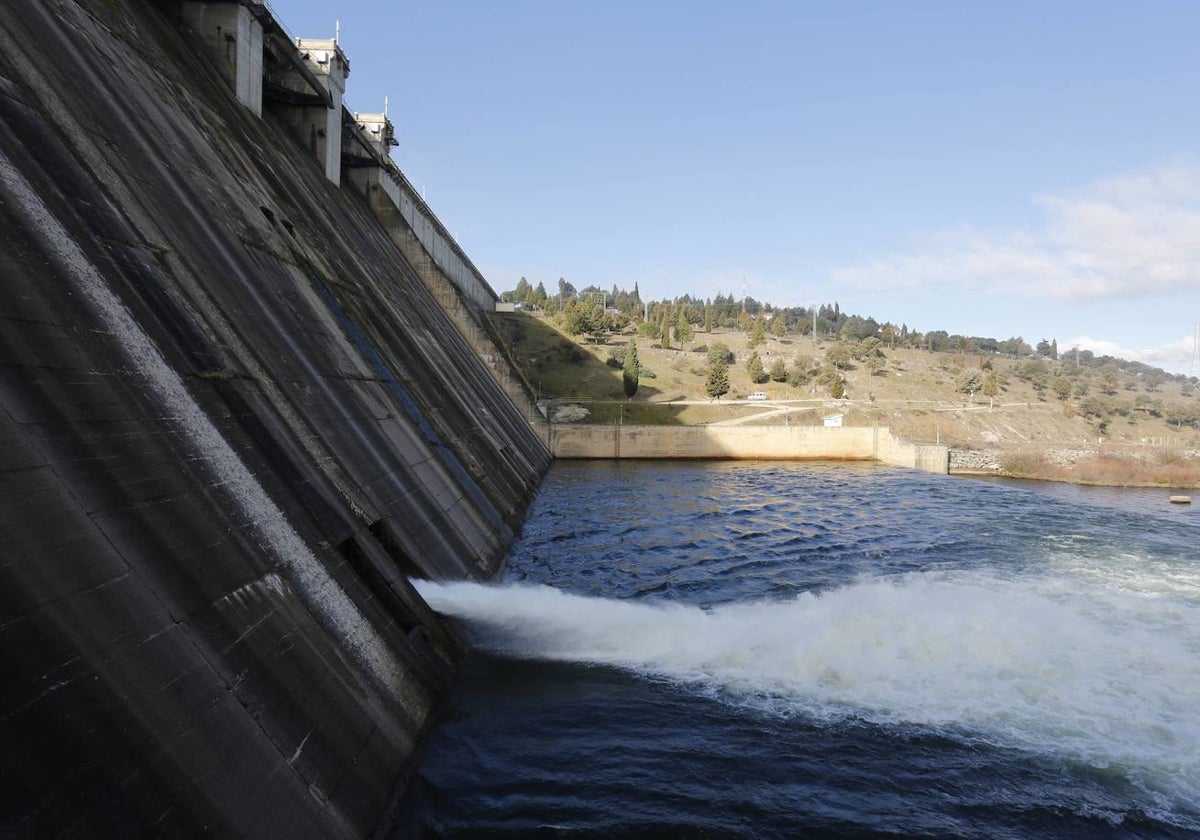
235, 418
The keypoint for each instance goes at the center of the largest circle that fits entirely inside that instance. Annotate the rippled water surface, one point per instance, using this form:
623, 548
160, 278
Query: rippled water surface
775, 650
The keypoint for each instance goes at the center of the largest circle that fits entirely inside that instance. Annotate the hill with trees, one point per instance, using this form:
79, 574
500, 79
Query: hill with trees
698, 359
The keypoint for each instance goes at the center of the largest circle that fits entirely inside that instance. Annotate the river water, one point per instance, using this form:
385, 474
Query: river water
777, 650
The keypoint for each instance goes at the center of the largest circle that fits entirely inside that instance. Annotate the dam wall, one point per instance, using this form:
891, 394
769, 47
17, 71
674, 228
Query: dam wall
235, 419
744, 442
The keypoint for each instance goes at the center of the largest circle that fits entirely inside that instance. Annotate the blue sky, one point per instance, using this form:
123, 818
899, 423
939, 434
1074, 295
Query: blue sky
993, 169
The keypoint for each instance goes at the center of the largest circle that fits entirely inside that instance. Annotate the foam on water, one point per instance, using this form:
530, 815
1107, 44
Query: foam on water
1097, 675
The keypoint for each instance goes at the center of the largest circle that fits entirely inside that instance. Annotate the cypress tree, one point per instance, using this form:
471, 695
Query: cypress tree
631, 370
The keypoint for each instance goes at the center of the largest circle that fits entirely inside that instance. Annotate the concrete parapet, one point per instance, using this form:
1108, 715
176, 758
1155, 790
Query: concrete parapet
234, 38
743, 442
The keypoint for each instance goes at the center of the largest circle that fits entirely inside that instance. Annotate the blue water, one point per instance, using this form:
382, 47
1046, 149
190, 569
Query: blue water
781, 650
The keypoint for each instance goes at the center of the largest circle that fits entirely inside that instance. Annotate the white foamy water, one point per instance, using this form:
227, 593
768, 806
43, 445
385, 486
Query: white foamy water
1109, 677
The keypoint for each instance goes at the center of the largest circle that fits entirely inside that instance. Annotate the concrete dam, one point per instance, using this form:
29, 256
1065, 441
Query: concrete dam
247, 391
249, 388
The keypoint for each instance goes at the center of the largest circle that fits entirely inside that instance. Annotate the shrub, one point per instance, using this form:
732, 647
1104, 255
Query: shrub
1026, 464
779, 371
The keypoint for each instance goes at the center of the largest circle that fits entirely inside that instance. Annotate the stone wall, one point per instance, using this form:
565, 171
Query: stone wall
974, 460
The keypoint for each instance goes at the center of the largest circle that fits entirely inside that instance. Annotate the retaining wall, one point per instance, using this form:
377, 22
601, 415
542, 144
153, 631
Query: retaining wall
743, 442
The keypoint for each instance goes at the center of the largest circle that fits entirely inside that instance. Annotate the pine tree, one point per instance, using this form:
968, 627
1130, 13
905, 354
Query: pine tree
716, 382
755, 369
779, 326
708, 316
631, 370
758, 332
683, 329
666, 330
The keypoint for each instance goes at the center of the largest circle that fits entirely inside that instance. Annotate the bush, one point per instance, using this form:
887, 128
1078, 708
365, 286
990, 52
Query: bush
720, 354
649, 329
1025, 464
798, 377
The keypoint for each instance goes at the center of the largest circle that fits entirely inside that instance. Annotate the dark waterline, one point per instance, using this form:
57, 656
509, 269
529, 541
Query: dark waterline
765, 650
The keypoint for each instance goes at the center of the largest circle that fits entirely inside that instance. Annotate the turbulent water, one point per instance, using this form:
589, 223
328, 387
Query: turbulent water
775, 650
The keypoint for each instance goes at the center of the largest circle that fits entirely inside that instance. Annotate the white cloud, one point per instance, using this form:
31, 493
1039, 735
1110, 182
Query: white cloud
1174, 356
1132, 235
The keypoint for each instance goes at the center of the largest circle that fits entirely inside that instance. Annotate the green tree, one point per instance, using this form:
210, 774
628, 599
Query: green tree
708, 317
839, 355
1062, 387
631, 370
971, 382
666, 331
779, 325
1108, 379
866, 348
829, 377
719, 353
801, 373
573, 318
779, 371
758, 332
716, 381
755, 369
581, 317
520, 293
991, 384
683, 329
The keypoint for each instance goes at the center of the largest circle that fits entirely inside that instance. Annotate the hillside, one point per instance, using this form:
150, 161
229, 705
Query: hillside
1042, 408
